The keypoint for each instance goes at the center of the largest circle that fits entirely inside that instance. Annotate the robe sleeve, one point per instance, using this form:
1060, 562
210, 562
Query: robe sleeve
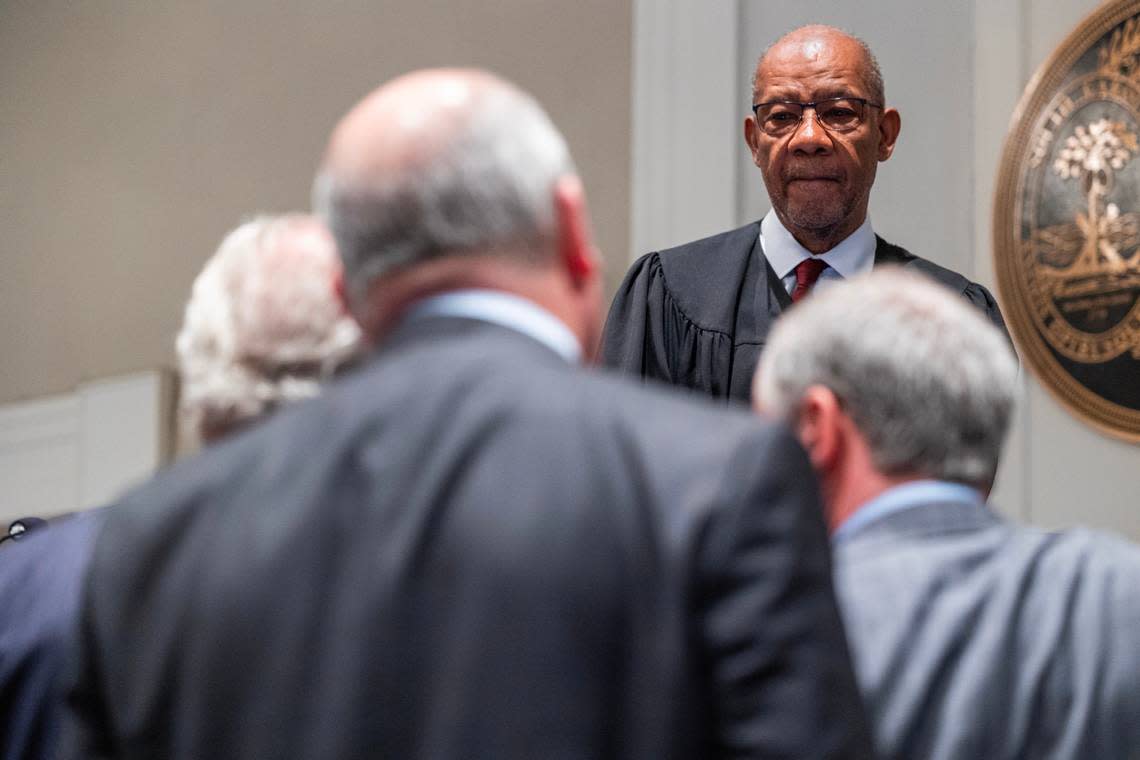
648, 335
985, 302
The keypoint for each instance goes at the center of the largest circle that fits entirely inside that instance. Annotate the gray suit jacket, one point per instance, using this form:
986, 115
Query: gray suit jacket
977, 638
471, 549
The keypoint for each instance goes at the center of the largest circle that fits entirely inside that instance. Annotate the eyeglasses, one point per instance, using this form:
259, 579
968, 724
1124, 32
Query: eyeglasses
781, 117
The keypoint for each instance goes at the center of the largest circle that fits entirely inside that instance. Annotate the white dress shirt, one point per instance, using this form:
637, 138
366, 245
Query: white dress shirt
855, 254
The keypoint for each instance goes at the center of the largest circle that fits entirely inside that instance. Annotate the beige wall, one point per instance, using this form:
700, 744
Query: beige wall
133, 134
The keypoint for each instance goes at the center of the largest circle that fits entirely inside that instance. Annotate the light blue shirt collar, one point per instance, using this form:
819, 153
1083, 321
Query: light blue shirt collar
854, 255
497, 307
910, 495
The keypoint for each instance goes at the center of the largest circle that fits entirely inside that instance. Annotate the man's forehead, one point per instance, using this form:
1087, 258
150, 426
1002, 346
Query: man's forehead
815, 65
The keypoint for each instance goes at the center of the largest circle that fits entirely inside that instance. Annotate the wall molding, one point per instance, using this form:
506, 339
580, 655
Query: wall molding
686, 100
78, 450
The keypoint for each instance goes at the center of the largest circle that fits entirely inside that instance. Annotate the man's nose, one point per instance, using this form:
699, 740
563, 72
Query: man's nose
809, 136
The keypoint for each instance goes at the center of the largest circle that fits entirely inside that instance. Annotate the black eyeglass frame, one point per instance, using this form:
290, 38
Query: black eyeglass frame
815, 110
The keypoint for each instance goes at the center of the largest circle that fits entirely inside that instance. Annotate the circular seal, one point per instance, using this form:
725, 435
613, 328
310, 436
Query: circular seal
1067, 221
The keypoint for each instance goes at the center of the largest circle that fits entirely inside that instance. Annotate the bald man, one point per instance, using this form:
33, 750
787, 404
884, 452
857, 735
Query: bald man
474, 547
698, 315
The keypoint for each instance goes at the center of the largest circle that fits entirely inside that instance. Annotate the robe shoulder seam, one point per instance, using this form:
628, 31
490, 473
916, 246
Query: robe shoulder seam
676, 305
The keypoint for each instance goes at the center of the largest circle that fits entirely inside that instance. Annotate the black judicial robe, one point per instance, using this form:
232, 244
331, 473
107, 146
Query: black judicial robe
698, 315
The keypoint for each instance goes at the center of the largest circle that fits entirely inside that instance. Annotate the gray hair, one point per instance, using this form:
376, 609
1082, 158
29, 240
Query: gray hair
872, 75
927, 380
263, 325
489, 187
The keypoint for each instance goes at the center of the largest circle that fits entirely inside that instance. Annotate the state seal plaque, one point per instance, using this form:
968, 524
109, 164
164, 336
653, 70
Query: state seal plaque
1067, 221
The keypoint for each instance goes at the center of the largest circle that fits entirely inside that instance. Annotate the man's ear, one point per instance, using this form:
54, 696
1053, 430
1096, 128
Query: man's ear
340, 290
752, 138
575, 242
889, 125
363, 313
820, 429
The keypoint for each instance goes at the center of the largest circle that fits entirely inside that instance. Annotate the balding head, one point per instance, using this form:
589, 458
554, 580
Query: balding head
819, 177
813, 42
440, 163
406, 123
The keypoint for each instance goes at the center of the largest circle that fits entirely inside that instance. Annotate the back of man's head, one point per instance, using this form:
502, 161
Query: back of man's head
927, 381
441, 163
264, 324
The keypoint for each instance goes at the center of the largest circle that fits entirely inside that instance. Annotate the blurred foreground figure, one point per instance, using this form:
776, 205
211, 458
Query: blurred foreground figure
262, 326
973, 637
41, 575
472, 547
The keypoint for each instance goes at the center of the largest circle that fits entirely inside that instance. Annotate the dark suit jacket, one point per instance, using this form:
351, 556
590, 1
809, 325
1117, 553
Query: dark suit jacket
40, 580
470, 549
698, 315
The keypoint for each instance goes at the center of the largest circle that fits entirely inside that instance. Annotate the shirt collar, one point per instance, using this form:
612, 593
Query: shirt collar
497, 307
909, 495
854, 254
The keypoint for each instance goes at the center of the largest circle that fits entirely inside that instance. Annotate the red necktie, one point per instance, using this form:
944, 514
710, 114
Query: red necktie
807, 272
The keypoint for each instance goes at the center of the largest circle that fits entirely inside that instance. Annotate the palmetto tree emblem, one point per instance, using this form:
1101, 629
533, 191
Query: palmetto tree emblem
1093, 154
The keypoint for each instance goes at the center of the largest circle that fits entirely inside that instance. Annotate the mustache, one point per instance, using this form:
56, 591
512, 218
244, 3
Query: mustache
800, 173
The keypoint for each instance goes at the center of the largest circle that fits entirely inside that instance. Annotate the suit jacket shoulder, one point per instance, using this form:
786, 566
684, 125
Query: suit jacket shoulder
1064, 613
40, 583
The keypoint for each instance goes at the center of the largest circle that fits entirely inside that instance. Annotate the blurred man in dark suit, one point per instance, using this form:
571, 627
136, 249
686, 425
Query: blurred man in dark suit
40, 578
263, 327
973, 637
472, 547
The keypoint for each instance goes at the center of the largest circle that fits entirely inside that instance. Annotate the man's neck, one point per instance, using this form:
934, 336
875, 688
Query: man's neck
850, 492
391, 296
822, 239
507, 309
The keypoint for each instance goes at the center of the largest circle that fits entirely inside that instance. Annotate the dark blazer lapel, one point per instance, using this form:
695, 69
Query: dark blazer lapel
761, 300
888, 253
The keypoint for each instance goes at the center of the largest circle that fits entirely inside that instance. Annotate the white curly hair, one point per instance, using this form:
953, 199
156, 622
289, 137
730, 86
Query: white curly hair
264, 324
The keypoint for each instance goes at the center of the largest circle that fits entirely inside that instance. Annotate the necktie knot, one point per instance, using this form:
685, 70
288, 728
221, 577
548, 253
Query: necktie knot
807, 272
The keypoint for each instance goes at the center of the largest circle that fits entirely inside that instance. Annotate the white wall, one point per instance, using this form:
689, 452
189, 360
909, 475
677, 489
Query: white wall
955, 71
79, 450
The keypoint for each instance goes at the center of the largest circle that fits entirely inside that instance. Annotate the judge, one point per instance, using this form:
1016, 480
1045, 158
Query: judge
698, 315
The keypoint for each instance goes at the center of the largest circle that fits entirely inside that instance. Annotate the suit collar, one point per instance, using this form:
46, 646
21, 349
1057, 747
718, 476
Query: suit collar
928, 519
916, 494
441, 330
505, 309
